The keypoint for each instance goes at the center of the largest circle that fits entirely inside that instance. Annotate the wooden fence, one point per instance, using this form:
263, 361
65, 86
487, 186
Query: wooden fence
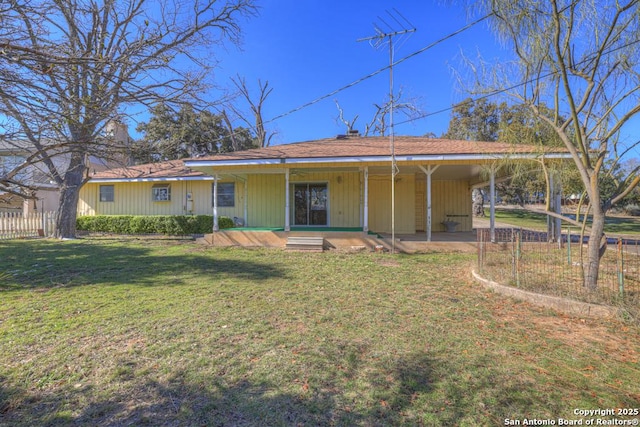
15, 225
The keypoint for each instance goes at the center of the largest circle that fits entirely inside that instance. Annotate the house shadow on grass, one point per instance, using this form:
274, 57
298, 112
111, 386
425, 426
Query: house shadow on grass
417, 390
212, 402
48, 264
175, 403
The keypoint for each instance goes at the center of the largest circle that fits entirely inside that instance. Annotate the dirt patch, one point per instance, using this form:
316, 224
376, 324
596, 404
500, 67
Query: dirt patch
388, 263
616, 339
609, 338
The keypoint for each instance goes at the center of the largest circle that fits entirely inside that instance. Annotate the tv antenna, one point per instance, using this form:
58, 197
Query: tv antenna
398, 27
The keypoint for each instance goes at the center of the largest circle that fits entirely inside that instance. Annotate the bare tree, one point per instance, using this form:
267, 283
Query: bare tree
379, 124
68, 66
349, 124
581, 57
255, 121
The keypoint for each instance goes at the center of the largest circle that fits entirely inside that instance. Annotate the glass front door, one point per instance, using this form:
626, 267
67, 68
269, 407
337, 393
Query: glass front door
310, 204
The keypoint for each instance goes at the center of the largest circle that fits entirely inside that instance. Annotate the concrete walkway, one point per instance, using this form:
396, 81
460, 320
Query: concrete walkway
462, 241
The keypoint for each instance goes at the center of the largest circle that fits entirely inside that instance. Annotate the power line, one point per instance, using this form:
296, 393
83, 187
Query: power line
368, 76
515, 86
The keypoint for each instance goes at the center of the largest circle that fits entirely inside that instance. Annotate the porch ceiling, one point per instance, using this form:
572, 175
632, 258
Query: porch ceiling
443, 172
472, 173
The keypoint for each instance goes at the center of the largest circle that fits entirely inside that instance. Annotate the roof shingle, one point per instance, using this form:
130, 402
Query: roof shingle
372, 146
326, 148
170, 169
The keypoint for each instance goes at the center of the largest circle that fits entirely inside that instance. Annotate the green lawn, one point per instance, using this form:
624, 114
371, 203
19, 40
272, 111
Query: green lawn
170, 333
527, 219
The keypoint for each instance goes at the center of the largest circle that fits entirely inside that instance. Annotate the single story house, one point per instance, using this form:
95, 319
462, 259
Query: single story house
345, 182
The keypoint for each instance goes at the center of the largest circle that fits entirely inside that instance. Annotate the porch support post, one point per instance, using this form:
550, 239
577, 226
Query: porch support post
492, 204
365, 214
429, 170
287, 213
246, 202
215, 203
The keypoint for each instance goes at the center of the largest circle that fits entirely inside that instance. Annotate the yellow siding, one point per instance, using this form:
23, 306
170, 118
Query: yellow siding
380, 204
134, 198
88, 200
344, 195
449, 199
266, 200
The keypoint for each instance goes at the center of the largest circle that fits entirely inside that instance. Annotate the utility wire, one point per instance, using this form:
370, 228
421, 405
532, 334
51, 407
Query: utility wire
368, 76
515, 86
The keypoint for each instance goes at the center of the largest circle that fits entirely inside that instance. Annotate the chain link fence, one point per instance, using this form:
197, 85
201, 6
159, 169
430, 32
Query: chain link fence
527, 260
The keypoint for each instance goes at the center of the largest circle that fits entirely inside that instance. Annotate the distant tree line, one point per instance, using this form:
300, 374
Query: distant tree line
484, 120
172, 135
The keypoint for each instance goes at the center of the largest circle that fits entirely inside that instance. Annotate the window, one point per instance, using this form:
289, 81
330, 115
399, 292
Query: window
226, 194
161, 193
106, 193
310, 204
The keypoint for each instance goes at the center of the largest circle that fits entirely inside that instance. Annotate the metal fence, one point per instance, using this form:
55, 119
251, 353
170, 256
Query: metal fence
527, 260
15, 225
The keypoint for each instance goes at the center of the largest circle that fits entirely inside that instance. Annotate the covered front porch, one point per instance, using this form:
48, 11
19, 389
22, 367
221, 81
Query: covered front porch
345, 239
418, 199
417, 191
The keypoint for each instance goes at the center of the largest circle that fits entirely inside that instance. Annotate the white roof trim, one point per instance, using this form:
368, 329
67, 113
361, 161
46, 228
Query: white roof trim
201, 163
178, 178
363, 159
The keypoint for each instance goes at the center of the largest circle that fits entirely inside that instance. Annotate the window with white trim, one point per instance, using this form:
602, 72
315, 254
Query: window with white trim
107, 193
161, 193
226, 194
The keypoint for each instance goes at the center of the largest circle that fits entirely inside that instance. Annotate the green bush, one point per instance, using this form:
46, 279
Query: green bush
176, 225
225, 222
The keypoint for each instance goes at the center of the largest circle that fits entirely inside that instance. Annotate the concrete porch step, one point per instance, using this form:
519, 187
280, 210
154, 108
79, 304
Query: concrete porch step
305, 243
345, 241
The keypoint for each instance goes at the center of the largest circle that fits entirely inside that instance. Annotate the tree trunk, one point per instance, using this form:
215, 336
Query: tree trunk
595, 249
478, 203
69, 196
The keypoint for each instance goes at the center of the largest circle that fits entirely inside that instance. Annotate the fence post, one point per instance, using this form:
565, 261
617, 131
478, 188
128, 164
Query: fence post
620, 268
480, 249
569, 245
514, 255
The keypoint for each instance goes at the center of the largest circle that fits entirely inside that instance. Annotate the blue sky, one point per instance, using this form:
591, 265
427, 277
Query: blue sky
307, 49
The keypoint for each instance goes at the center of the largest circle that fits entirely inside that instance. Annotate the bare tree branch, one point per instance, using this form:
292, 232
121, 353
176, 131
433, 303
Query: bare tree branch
581, 57
256, 123
67, 67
